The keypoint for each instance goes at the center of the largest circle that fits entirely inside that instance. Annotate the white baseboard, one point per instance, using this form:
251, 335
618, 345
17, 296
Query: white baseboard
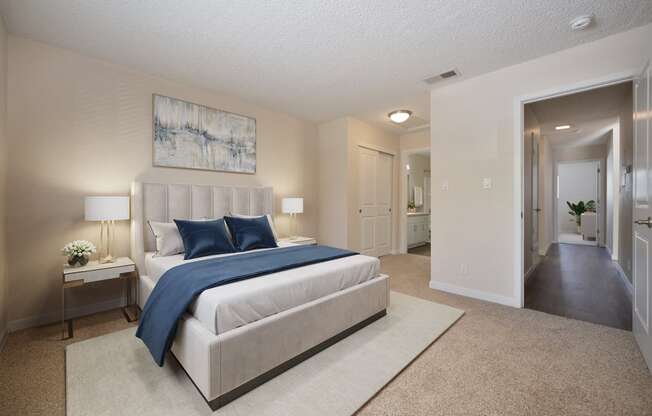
472, 293
623, 277
52, 317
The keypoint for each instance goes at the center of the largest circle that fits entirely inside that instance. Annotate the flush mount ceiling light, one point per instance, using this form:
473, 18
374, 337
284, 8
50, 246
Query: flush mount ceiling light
581, 22
563, 127
399, 116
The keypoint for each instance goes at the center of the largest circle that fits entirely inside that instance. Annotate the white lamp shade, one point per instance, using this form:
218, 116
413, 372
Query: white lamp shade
105, 208
292, 205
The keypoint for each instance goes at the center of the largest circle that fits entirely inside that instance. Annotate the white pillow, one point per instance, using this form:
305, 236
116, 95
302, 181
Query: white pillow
168, 238
269, 220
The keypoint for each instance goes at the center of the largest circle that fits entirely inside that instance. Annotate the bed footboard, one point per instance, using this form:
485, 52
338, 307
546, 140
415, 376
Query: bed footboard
225, 366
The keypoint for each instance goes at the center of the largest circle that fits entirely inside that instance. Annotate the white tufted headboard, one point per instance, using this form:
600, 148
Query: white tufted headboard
166, 202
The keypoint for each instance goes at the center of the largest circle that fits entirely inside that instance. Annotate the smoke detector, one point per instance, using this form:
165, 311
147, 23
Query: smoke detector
581, 22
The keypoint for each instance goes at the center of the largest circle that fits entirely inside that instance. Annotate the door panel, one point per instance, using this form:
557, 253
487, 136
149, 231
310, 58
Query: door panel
367, 240
367, 184
535, 198
642, 152
384, 181
375, 183
642, 282
642, 233
382, 236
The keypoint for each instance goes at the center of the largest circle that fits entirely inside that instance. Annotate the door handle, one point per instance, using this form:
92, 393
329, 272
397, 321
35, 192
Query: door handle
647, 222
537, 209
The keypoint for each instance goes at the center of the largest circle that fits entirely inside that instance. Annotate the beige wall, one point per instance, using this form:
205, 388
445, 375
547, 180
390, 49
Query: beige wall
3, 180
472, 137
333, 177
79, 126
417, 140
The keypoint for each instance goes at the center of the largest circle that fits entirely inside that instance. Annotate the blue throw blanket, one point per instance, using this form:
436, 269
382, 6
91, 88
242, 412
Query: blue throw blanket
179, 286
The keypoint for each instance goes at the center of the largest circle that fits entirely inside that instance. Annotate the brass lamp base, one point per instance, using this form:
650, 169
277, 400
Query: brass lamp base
107, 259
106, 242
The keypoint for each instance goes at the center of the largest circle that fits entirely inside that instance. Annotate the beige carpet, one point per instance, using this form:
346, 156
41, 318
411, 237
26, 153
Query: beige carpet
114, 374
495, 361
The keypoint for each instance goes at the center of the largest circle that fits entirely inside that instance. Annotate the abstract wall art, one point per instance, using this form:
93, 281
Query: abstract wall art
194, 136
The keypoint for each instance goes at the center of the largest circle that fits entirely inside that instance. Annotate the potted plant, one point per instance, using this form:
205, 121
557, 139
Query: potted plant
78, 252
576, 210
411, 207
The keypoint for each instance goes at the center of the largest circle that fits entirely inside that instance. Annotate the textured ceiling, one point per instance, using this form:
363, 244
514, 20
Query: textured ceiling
591, 114
318, 59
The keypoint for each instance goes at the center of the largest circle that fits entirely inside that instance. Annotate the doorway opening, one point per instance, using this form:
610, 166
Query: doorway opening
576, 149
415, 201
578, 208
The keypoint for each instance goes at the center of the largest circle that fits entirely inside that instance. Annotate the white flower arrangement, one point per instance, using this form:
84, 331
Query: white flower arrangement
79, 248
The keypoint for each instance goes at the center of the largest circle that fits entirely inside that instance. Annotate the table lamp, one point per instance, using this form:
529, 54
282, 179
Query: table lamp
292, 206
107, 210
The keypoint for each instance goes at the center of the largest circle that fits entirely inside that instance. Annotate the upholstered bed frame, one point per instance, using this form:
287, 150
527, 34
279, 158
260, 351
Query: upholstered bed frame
227, 365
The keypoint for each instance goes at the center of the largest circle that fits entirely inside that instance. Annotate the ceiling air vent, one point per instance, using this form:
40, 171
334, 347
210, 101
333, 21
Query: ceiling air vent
443, 76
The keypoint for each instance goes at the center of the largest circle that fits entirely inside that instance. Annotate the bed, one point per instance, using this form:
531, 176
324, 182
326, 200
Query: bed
233, 338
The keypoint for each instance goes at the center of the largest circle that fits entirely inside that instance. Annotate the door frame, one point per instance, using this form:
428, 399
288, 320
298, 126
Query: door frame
600, 205
403, 199
518, 165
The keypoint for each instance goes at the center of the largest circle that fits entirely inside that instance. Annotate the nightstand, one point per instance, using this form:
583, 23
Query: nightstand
123, 268
303, 241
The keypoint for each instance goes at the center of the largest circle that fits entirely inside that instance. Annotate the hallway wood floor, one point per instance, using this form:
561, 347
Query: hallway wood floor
580, 282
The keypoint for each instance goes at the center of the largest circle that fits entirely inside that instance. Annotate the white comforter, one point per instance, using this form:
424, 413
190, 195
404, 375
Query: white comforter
223, 308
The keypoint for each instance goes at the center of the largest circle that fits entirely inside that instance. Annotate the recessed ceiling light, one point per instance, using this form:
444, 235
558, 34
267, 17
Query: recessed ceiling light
563, 127
581, 22
399, 116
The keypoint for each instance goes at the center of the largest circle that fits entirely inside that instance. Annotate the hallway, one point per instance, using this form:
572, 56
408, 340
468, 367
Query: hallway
580, 282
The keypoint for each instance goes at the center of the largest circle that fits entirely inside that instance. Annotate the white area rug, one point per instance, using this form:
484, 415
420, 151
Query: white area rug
115, 375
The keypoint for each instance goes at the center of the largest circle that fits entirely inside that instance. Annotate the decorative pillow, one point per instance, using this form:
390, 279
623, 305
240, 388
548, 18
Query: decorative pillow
269, 220
168, 239
204, 238
251, 233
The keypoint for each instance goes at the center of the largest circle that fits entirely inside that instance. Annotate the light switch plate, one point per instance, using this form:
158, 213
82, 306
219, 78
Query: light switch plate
486, 183
444, 185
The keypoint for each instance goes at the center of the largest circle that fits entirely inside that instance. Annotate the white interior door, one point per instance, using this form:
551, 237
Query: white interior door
642, 231
375, 189
535, 197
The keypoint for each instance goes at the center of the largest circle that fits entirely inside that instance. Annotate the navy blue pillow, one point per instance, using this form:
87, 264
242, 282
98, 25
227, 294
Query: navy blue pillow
204, 238
251, 233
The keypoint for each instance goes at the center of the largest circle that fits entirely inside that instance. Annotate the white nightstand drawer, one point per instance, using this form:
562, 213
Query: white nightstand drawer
94, 272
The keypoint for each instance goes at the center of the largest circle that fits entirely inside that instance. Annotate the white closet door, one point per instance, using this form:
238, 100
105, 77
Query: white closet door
375, 189
367, 189
383, 230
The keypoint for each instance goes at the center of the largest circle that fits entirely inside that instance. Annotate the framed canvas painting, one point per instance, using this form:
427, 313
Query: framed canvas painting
193, 136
